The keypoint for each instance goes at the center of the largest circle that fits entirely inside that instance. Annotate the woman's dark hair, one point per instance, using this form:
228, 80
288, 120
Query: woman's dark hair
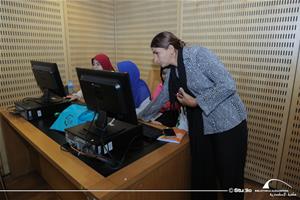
164, 39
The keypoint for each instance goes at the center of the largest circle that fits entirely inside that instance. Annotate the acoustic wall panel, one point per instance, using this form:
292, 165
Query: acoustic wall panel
258, 43
29, 30
290, 166
137, 22
90, 28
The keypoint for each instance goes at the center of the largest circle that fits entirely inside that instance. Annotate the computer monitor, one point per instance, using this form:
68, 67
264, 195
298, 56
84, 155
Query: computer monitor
109, 94
48, 79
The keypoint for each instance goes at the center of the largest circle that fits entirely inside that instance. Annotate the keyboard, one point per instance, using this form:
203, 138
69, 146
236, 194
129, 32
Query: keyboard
151, 132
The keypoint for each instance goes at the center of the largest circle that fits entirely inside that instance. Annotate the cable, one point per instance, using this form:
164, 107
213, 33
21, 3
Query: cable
29, 99
128, 147
39, 100
79, 153
119, 163
101, 158
111, 122
63, 148
13, 110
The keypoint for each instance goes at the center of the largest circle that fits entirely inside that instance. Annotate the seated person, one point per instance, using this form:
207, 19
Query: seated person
163, 73
168, 115
102, 62
99, 62
139, 88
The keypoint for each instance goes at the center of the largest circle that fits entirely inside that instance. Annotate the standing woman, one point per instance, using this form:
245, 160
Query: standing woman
216, 115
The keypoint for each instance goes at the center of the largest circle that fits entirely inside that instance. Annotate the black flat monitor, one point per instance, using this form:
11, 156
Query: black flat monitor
48, 79
109, 94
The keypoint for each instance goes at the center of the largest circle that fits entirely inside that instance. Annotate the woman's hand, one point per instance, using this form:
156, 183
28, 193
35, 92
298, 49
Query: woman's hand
72, 97
156, 122
186, 99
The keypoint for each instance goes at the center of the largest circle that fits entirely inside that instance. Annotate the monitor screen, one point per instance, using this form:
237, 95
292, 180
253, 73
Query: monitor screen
48, 79
108, 92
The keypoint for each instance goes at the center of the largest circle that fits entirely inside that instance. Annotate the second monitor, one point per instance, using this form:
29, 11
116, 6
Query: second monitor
48, 79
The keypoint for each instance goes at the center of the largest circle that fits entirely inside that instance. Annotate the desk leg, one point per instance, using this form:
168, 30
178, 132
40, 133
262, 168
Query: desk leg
18, 155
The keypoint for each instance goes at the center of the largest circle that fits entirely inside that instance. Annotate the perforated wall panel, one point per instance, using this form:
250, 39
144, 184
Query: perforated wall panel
290, 166
90, 28
257, 42
136, 24
30, 30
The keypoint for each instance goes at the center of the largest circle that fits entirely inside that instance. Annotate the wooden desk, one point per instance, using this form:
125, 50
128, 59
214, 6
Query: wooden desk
168, 167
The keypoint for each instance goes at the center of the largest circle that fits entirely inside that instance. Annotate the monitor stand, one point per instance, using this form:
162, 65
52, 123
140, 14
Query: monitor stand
101, 122
48, 98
